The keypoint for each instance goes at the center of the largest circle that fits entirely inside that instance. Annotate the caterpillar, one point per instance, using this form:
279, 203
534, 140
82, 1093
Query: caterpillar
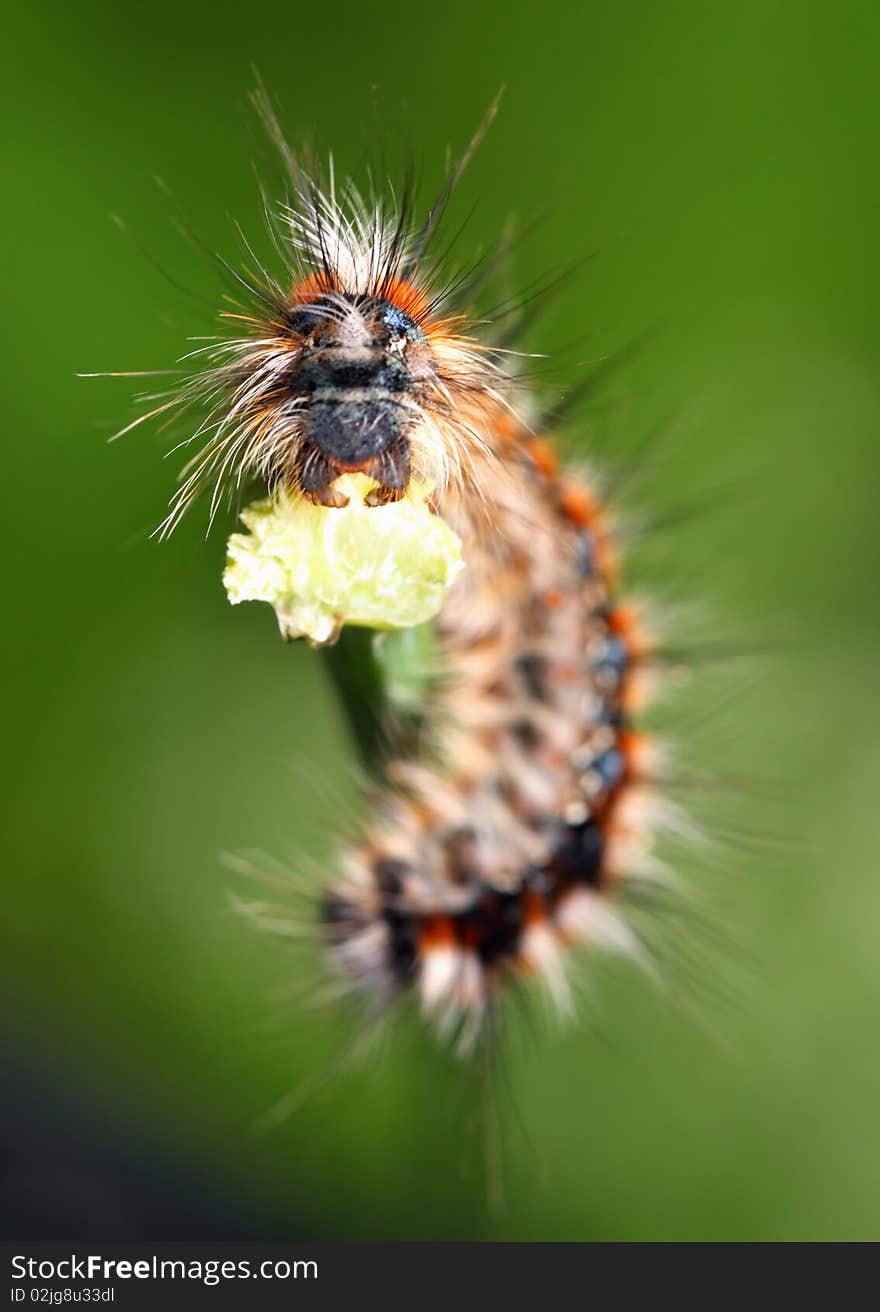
508, 835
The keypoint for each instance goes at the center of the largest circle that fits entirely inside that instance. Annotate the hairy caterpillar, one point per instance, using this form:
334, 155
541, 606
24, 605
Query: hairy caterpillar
505, 837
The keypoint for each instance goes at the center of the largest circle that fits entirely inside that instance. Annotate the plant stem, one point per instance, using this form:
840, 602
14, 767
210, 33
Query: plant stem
360, 684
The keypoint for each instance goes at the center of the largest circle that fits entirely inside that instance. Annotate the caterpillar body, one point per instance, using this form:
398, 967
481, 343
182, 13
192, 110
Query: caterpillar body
506, 840
503, 850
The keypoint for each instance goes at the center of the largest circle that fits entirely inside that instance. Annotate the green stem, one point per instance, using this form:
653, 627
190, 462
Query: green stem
359, 680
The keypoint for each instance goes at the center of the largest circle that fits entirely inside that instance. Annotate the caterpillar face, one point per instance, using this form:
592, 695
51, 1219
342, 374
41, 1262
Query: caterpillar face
356, 368
354, 386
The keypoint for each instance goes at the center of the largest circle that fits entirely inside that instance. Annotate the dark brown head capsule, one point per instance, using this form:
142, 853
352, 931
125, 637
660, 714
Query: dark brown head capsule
353, 383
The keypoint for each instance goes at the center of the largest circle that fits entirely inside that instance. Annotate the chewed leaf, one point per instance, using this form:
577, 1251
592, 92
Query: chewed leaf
385, 567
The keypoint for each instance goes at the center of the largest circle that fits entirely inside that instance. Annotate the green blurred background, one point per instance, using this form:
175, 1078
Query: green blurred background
718, 162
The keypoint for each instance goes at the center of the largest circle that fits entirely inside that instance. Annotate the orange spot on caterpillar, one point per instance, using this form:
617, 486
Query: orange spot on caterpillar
314, 286
579, 505
625, 620
533, 908
436, 932
581, 508
507, 427
636, 749
544, 456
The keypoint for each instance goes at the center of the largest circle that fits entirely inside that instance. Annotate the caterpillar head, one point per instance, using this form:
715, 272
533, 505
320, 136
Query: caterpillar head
353, 363
358, 384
